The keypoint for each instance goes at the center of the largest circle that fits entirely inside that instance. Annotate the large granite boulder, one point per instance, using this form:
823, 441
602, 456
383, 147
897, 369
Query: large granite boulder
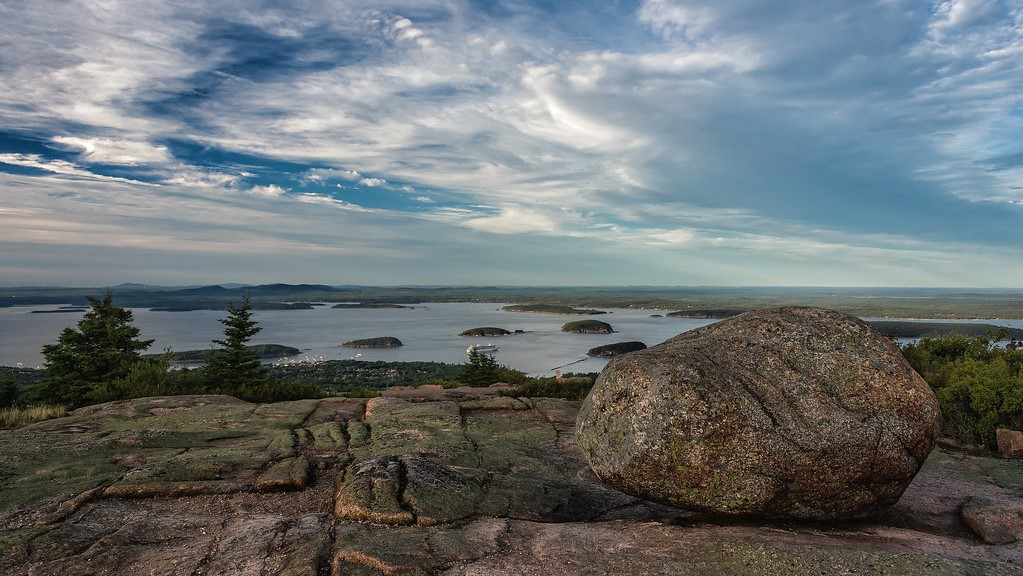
786, 412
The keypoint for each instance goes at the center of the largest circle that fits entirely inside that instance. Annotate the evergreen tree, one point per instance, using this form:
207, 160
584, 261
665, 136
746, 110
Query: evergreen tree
234, 365
103, 348
481, 370
8, 392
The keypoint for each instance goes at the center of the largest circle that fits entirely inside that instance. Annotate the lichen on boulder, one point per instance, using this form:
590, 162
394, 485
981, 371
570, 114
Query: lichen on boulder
786, 412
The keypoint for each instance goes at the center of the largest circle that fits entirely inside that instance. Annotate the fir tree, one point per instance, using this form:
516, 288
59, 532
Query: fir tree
481, 370
103, 348
234, 365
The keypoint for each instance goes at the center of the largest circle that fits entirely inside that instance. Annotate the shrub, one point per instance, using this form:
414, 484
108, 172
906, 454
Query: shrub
979, 384
568, 388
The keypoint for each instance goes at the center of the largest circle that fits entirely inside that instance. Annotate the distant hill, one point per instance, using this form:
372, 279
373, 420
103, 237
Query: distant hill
910, 329
692, 301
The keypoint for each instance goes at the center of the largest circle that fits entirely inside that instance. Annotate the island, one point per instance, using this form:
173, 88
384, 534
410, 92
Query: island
485, 331
551, 309
373, 305
382, 342
587, 327
616, 349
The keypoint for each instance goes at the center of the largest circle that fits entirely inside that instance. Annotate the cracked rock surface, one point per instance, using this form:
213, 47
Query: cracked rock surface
786, 412
460, 483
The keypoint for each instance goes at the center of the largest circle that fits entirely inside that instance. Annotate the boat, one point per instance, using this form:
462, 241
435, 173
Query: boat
481, 348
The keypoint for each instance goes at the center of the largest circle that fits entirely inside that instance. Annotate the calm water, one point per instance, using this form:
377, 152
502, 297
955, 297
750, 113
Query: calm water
429, 332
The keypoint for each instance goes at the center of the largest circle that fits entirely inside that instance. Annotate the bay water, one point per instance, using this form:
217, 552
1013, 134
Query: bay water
429, 332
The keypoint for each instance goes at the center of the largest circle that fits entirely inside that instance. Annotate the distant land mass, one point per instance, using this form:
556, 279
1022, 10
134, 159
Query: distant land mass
692, 301
551, 309
264, 351
903, 329
345, 305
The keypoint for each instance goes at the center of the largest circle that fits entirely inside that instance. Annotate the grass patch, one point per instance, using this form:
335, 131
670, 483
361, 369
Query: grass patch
13, 417
569, 388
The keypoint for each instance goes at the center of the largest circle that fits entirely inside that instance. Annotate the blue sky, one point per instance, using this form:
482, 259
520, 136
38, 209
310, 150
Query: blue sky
657, 142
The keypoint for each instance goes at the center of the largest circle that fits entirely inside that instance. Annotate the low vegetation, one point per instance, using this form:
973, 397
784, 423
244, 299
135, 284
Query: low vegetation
14, 417
348, 377
569, 387
979, 383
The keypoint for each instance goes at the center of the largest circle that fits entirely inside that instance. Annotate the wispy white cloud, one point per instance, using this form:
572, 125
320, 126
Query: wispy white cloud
57, 167
701, 130
107, 151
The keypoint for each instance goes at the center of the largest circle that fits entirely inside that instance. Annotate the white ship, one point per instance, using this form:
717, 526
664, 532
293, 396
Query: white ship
481, 348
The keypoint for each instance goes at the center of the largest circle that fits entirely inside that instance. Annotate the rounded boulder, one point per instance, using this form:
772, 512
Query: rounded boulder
790, 412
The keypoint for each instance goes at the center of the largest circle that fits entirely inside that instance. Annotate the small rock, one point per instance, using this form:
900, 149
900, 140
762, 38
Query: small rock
1010, 442
988, 521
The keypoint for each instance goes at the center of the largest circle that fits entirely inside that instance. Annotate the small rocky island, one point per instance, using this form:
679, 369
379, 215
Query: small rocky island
382, 342
587, 327
616, 349
485, 331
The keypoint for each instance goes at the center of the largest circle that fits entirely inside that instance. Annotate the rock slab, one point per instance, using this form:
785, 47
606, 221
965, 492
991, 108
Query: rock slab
790, 412
455, 485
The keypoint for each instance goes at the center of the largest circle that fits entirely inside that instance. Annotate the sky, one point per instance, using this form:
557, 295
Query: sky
512, 142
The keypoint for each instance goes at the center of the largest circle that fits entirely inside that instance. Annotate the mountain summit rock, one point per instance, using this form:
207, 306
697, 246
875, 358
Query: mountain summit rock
790, 412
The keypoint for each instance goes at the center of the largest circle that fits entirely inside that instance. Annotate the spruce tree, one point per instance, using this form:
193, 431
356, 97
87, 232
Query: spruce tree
482, 370
234, 365
103, 348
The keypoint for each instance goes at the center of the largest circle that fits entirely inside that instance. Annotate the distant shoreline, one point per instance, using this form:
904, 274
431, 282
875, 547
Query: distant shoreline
695, 302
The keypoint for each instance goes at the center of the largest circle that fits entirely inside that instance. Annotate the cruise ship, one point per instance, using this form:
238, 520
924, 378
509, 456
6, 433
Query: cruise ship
482, 348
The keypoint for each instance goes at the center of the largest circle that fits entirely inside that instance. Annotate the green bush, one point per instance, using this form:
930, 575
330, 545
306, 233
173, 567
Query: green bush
571, 388
979, 384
